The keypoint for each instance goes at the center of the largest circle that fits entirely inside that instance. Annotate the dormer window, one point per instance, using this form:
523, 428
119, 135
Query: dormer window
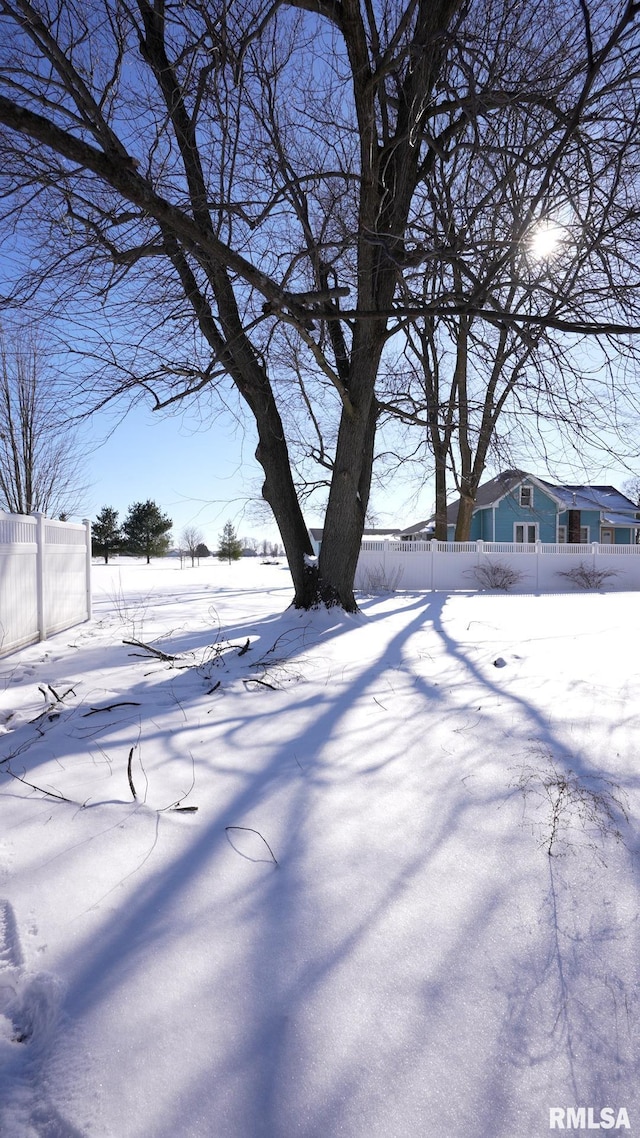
526, 496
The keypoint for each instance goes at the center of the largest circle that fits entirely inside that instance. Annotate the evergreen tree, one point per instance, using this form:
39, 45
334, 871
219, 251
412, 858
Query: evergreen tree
106, 534
146, 531
229, 548
202, 551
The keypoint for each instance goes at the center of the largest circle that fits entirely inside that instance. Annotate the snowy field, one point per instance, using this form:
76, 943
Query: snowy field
330, 908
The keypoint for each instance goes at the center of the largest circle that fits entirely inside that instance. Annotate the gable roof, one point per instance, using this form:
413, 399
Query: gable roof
615, 508
491, 492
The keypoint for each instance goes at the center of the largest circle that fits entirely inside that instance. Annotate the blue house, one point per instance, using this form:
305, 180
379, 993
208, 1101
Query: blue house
518, 507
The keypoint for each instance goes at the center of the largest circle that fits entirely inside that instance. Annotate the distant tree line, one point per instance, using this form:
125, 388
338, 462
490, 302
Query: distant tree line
145, 532
230, 546
245, 546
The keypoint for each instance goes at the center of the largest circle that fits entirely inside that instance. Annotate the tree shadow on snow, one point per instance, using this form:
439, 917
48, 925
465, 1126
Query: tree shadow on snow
377, 980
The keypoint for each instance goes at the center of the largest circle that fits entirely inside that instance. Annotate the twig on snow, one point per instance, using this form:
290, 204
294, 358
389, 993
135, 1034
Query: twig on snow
51, 710
250, 830
110, 707
59, 698
129, 776
176, 806
40, 789
287, 632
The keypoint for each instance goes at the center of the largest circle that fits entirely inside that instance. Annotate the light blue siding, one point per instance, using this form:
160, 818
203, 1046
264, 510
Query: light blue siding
621, 534
547, 508
542, 513
476, 532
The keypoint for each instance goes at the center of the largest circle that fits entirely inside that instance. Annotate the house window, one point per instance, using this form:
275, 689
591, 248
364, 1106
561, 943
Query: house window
584, 535
525, 533
526, 496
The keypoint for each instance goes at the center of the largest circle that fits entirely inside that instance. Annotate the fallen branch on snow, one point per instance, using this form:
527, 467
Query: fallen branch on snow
149, 650
110, 707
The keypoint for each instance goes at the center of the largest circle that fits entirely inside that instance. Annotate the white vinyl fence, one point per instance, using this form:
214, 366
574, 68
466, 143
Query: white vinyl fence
45, 578
478, 565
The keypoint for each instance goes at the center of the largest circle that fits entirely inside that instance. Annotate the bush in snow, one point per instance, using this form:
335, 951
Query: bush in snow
587, 576
377, 579
497, 575
571, 810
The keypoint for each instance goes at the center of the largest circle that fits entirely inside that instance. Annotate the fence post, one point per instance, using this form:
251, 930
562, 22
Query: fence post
87, 538
538, 552
433, 546
40, 571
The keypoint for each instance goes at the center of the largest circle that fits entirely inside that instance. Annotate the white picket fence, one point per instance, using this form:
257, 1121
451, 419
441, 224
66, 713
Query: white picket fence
447, 565
45, 578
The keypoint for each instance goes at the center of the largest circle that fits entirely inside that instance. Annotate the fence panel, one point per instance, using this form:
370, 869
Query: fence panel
18, 582
45, 578
475, 565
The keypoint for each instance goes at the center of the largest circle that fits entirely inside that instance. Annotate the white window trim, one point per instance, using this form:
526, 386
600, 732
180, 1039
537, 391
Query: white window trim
527, 505
526, 526
562, 535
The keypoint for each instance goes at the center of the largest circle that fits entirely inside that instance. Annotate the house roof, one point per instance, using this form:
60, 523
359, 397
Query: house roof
419, 527
489, 493
615, 508
316, 534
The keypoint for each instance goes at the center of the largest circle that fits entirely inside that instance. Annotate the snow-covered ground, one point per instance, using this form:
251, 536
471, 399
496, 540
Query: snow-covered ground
359, 932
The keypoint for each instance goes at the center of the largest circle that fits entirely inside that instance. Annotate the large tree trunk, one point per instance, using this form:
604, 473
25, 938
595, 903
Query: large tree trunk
346, 509
465, 514
280, 493
351, 481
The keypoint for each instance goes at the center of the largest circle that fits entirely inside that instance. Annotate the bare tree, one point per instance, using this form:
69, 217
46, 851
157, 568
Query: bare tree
191, 539
535, 234
222, 181
39, 453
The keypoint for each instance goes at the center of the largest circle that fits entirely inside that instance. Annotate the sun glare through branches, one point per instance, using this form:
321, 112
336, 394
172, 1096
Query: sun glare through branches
545, 240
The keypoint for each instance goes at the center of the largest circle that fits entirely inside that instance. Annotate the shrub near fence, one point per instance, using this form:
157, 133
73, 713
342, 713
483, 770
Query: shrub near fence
45, 578
540, 567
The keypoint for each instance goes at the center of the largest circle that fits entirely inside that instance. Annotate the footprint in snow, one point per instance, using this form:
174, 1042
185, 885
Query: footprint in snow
29, 1017
10, 950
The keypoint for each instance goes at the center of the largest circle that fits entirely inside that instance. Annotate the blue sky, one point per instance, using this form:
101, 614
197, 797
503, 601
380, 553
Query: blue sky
203, 476
198, 477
